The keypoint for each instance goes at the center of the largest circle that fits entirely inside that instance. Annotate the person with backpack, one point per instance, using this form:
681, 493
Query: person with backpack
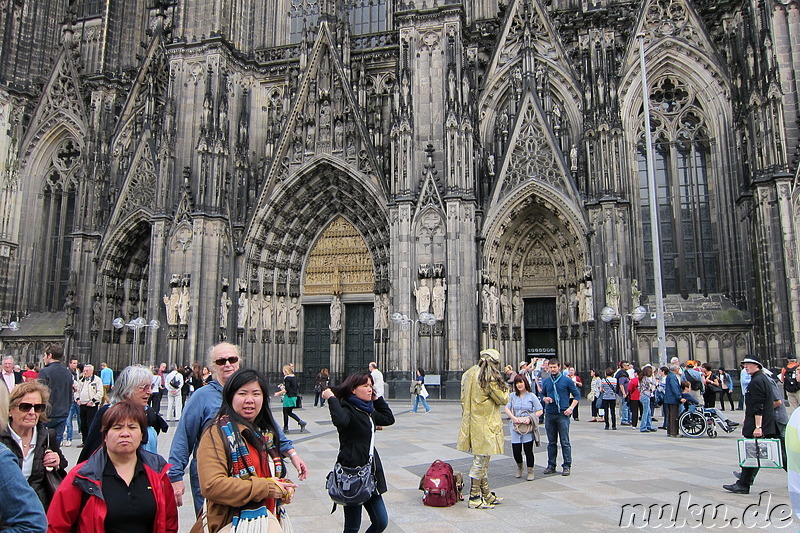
789, 378
623, 378
174, 382
695, 378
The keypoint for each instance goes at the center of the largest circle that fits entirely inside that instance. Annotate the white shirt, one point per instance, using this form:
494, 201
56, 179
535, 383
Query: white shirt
27, 455
168, 380
377, 382
10, 380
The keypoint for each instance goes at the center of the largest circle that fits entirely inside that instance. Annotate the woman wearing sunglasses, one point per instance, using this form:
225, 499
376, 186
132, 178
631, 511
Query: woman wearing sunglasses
35, 445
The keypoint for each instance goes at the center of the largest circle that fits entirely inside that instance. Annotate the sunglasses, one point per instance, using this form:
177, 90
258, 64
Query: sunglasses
222, 360
37, 407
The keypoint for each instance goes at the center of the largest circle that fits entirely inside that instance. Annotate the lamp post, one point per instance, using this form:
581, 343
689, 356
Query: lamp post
136, 325
406, 324
609, 314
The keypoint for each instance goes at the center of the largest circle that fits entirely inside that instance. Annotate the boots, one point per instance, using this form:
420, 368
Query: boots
530, 473
476, 501
488, 496
519, 470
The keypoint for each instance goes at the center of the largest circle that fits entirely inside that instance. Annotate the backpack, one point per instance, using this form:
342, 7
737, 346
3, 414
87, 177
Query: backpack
696, 383
790, 383
439, 485
175, 383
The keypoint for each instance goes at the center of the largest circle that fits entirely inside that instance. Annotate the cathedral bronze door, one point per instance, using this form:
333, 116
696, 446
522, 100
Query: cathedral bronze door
358, 337
316, 340
541, 335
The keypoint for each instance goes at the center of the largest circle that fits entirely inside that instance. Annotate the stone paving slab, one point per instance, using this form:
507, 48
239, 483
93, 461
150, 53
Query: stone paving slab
610, 469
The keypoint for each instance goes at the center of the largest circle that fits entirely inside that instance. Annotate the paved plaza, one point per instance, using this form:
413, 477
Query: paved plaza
610, 469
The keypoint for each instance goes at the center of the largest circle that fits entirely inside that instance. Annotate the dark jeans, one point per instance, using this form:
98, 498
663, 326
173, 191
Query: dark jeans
87, 416
557, 427
517, 448
636, 408
376, 510
610, 407
595, 409
287, 414
710, 398
319, 399
57, 425
672, 419
155, 401
722, 399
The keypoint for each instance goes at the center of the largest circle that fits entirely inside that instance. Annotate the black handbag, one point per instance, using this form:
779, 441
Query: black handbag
353, 485
52, 477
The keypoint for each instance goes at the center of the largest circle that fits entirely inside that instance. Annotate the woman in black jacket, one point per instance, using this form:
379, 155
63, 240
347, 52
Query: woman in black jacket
355, 411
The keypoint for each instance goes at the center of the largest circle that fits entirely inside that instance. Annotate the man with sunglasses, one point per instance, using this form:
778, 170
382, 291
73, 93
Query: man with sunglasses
58, 379
201, 409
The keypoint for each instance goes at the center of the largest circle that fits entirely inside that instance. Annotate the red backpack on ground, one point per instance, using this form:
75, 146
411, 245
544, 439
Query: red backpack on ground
439, 485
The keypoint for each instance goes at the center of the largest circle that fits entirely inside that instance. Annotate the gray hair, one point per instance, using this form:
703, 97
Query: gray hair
213, 353
129, 380
674, 367
7, 357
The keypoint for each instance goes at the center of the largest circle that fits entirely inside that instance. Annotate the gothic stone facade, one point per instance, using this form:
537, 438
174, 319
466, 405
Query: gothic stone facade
288, 175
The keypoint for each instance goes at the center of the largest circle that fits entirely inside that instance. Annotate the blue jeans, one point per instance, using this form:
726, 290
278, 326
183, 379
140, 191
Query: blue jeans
647, 414
194, 484
557, 427
57, 425
74, 414
624, 411
376, 510
417, 399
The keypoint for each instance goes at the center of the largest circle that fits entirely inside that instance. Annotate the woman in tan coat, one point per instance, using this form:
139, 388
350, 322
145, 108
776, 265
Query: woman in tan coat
483, 391
241, 464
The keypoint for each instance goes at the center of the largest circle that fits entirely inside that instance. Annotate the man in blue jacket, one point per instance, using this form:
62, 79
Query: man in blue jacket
200, 410
557, 390
672, 398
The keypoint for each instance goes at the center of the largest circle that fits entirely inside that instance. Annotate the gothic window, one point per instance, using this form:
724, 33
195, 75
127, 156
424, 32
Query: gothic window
58, 217
303, 15
367, 16
682, 149
88, 8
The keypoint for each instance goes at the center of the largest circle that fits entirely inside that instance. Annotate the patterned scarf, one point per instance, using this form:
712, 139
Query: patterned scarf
241, 464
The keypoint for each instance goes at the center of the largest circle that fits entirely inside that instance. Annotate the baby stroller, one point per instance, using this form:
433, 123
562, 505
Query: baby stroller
698, 420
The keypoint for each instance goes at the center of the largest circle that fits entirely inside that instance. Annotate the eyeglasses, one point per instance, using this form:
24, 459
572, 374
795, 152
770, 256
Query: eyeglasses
37, 407
222, 360
148, 386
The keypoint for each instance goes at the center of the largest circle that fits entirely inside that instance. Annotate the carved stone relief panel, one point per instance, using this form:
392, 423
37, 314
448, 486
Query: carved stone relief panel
340, 262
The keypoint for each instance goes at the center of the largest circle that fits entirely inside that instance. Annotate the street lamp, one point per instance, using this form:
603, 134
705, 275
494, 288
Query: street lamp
136, 325
406, 324
608, 314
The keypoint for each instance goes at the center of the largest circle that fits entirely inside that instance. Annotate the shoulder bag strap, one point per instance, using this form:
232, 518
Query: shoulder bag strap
372, 439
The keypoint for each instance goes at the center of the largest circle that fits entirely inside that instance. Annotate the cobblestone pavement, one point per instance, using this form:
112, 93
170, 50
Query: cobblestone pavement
610, 469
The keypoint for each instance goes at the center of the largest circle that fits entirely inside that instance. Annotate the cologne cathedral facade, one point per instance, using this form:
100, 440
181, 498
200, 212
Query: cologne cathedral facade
330, 183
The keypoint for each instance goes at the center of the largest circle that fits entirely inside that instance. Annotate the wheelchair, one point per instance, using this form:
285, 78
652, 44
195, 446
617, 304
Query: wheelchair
697, 420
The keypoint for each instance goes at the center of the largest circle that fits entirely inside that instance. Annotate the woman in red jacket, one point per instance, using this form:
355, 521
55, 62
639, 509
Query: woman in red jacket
118, 484
634, 397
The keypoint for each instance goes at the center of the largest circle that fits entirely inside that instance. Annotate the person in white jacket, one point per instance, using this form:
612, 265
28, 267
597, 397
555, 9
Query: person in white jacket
174, 383
89, 395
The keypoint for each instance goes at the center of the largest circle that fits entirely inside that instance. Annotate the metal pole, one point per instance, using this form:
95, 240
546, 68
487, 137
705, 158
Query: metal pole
654, 227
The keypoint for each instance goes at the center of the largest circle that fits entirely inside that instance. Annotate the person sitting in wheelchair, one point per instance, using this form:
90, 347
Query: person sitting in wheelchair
690, 404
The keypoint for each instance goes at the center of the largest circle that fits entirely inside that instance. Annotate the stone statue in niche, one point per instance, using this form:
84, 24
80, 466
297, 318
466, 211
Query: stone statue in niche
516, 305
266, 312
69, 310
281, 312
294, 315
184, 303
385, 311
336, 314
224, 308
171, 303
573, 305
241, 316
439, 298
97, 313
486, 301
582, 302
494, 305
636, 294
376, 313
562, 305
589, 297
423, 296
255, 310
505, 307
612, 294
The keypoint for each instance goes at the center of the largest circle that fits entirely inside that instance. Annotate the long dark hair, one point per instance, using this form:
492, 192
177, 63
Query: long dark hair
264, 420
345, 389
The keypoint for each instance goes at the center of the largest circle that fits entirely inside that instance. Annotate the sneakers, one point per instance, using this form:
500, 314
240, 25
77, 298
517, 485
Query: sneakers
565, 471
549, 470
737, 488
67, 443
